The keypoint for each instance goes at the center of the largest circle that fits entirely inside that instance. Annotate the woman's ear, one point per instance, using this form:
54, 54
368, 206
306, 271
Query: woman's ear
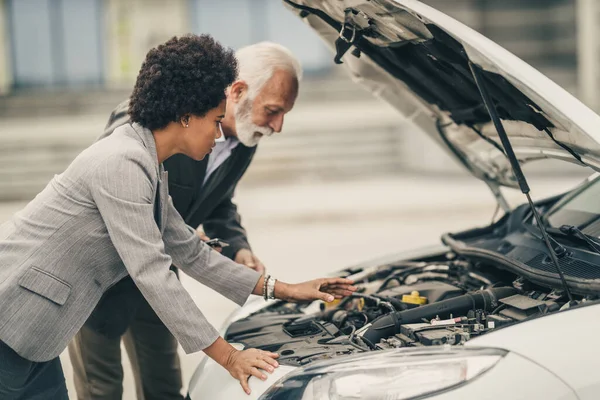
238, 90
185, 121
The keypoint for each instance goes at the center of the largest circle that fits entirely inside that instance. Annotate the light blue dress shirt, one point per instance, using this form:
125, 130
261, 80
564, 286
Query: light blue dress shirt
219, 155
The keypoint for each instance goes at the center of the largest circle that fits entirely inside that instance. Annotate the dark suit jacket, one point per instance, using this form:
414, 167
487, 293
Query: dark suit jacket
211, 206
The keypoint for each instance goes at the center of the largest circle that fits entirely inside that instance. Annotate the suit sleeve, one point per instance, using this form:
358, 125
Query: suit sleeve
204, 264
123, 191
226, 223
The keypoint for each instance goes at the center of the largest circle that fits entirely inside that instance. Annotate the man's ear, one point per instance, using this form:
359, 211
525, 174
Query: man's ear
238, 90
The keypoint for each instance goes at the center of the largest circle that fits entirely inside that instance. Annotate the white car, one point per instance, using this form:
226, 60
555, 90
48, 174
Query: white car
492, 313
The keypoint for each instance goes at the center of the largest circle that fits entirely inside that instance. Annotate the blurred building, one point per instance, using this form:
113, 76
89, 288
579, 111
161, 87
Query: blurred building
588, 44
79, 58
101, 43
541, 32
77, 43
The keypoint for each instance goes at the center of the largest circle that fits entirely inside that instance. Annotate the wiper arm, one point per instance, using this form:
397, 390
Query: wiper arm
571, 230
559, 249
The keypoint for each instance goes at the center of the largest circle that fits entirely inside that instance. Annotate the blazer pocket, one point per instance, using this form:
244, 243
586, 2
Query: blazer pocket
46, 285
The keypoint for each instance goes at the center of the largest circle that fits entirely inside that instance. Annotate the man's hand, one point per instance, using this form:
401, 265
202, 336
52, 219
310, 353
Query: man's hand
245, 257
205, 238
202, 235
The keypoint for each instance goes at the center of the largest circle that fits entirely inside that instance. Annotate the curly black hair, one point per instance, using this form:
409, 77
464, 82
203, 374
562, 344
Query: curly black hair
185, 75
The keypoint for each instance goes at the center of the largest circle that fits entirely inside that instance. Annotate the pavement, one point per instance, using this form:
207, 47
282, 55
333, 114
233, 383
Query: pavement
305, 230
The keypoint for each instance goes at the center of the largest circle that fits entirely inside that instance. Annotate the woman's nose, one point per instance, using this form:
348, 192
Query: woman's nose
219, 131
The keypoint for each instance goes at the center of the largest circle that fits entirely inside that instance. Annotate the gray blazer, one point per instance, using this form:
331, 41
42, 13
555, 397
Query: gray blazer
108, 215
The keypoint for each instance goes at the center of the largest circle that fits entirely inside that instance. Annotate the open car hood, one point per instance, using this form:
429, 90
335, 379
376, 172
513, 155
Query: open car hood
417, 59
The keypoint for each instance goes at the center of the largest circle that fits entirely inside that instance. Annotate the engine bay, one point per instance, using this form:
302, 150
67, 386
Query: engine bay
523, 266
442, 300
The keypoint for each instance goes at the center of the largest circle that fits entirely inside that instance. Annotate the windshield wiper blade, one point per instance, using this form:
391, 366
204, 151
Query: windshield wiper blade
571, 230
516, 167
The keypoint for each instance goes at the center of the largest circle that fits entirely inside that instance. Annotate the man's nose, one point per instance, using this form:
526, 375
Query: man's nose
219, 131
277, 123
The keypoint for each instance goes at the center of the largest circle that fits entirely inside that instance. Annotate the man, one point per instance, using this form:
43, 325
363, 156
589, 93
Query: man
202, 193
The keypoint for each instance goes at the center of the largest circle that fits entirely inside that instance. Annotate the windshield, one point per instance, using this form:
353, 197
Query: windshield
580, 208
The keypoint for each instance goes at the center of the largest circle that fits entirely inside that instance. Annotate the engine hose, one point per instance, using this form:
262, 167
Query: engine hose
398, 305
389, 324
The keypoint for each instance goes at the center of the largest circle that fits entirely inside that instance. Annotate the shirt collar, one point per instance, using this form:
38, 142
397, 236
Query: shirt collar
232, 142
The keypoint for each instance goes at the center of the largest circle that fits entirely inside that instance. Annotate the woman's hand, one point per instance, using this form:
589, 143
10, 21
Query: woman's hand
325, 289
242, 364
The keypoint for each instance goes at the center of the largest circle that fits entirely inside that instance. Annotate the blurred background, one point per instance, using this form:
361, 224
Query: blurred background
64, 64
347, 180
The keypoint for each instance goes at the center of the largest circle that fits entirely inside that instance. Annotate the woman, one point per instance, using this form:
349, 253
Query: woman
109, 216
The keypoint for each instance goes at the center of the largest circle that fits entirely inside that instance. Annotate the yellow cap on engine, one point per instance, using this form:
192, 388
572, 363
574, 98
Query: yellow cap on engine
414, 298
333, 304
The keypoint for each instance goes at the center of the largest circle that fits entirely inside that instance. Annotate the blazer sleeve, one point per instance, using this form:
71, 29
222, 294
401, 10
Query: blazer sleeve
226, 223
122, 188
204, 264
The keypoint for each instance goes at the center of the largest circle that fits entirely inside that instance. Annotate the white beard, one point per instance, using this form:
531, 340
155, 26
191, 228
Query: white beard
248, 133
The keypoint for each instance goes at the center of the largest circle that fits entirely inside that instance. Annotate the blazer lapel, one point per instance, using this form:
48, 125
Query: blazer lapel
214, 179
163, 188
221, 180
222, 174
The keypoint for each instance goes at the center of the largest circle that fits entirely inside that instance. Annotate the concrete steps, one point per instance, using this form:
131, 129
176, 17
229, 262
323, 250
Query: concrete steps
332, 86
336, 130
340, 139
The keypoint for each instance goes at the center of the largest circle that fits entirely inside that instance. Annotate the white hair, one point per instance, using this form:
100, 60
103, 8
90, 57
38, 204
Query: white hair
258, 62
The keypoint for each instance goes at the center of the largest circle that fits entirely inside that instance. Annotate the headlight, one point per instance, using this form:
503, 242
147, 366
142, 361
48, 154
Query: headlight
382, 375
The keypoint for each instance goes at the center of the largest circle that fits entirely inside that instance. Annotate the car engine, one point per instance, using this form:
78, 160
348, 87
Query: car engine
443, 301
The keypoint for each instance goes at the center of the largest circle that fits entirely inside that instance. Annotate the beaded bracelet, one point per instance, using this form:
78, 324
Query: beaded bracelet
264, 292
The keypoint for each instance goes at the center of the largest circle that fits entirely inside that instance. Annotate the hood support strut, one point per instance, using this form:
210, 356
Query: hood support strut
516, 167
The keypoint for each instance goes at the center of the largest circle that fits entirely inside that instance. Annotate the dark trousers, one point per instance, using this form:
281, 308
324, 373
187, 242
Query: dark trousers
21, 379
152, 350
